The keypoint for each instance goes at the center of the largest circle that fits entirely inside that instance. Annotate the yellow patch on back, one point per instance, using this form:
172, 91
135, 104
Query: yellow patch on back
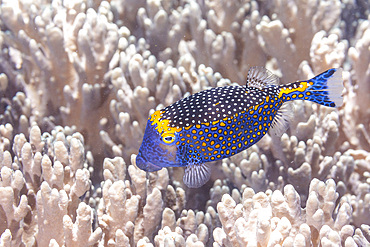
163, 126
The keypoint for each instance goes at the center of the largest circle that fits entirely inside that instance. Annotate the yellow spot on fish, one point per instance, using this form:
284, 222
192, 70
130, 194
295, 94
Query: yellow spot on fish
163, 125
302, 87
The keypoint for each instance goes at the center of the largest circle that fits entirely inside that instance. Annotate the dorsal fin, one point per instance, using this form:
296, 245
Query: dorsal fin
282, 118
260, 77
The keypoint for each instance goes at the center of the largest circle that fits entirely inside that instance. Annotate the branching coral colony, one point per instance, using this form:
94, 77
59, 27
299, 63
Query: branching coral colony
102, 67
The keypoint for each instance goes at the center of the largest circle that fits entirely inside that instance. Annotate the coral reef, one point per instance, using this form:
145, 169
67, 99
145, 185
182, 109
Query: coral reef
78, 80
274, 218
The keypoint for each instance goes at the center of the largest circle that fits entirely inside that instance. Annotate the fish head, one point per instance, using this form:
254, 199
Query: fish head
159, 147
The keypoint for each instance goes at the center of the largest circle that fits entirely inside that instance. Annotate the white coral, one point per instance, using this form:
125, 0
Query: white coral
271, 218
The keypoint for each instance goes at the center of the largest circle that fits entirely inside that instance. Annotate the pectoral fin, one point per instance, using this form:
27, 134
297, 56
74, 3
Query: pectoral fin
282, 119
196, 175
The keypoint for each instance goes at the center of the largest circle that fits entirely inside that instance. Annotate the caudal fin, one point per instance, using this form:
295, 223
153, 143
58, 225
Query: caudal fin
326, 88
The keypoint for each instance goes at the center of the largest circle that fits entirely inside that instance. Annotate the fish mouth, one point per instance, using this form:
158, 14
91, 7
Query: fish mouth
145, 165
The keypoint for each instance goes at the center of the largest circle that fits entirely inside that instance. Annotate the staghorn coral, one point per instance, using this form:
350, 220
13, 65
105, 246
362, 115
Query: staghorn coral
102, 66
14, 206
357, 133
293, 32
273, 218
49, 174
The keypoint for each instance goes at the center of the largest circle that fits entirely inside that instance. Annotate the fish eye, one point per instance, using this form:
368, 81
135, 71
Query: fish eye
168, 138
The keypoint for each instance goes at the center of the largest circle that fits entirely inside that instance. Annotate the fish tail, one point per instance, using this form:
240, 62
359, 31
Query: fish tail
324, 89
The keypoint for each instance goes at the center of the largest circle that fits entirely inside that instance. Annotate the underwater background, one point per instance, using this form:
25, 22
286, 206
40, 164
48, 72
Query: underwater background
78, 80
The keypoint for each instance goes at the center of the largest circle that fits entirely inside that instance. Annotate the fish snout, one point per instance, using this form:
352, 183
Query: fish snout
145, 165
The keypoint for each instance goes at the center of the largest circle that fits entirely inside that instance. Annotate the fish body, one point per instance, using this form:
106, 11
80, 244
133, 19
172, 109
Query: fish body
220, 122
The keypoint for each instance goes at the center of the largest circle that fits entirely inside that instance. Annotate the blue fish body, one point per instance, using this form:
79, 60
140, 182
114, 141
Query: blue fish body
220, 122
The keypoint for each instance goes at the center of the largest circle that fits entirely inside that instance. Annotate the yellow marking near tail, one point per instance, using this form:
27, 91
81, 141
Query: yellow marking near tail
286, 90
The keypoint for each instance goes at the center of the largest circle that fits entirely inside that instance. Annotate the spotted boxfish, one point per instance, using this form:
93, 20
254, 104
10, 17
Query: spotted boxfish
220, 122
